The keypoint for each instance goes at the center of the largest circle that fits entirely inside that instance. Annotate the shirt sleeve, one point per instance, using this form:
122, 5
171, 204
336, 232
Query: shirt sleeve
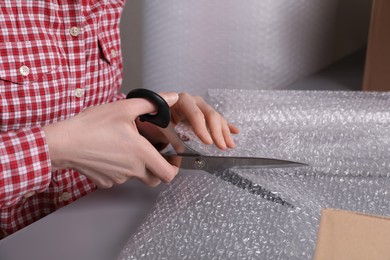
118, 96
25, 166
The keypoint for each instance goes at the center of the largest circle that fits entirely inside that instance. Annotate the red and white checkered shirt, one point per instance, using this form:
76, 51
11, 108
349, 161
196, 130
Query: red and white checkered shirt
56, 59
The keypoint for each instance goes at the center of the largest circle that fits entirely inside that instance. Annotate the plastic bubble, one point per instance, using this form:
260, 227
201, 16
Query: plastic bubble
344, 137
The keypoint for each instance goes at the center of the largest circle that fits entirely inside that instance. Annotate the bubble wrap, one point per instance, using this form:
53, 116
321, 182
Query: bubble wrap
196, 45
343, 136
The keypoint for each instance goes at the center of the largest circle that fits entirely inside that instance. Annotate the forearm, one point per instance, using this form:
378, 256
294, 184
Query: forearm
57, 139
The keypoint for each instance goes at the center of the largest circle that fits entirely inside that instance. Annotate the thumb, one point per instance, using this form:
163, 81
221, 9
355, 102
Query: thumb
141, 106
170, 97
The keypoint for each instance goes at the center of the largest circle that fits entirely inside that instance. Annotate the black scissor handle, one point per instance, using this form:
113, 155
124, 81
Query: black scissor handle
163, 115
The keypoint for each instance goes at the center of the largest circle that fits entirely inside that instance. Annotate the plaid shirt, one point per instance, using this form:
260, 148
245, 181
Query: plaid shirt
56, 59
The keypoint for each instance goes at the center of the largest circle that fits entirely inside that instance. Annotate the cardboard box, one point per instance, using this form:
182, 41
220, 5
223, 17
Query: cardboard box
377, 66
348, 235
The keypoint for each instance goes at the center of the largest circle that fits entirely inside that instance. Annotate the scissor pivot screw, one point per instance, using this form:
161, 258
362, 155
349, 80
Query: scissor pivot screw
199, 164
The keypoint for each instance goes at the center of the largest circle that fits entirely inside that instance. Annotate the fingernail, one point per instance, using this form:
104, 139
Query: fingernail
155, 184
231, 143
223, 147
170, 97
208, 139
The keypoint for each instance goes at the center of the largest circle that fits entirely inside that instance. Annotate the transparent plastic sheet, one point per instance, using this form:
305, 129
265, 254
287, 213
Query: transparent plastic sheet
343, 136
255, 44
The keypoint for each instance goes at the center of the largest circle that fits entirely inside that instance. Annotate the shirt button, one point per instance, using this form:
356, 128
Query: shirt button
24, 70
74, 31
114, 53
29, 194
79, 92
66, 196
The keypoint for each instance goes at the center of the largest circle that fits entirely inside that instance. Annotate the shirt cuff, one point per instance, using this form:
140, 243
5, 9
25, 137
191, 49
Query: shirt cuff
118, 96
25, 165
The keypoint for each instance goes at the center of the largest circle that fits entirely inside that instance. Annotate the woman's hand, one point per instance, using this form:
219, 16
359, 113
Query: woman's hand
207, 123
104, 144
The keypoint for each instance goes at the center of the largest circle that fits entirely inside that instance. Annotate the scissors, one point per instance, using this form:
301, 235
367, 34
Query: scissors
187, 158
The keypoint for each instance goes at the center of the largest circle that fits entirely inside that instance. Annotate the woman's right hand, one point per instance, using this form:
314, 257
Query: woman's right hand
103, 143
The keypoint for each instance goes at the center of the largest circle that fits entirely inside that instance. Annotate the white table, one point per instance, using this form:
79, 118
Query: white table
95, 227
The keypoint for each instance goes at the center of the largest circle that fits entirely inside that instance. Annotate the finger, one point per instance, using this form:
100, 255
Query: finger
170, 97
221, 130
141, 106
233, 129
100, 180
228, 135
157, 165
149, 179
214, 123
189, 108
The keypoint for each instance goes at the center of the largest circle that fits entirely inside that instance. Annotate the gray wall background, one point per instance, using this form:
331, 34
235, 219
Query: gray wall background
131, 33
351, 34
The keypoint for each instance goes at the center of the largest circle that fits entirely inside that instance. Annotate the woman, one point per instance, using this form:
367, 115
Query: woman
65, 128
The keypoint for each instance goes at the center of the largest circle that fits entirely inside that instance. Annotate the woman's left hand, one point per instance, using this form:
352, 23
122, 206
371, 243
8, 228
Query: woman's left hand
209, 125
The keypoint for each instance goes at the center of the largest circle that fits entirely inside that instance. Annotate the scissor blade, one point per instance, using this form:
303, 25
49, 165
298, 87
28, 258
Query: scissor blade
211, 163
